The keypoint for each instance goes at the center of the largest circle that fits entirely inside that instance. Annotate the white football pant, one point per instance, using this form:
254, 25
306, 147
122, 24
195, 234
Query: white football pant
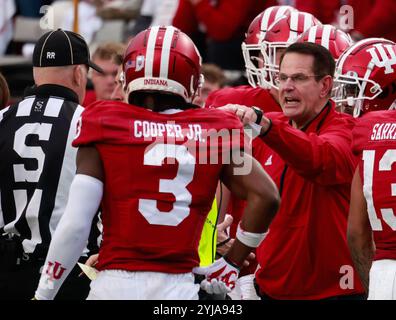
382, 284
143, 285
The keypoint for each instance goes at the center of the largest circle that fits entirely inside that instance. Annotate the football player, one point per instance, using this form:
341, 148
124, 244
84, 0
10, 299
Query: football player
367, 83
153, 164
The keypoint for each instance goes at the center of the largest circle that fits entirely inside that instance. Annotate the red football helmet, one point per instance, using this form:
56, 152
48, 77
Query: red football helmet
366, 76
251, 47
333, 39
280, 35
163, 59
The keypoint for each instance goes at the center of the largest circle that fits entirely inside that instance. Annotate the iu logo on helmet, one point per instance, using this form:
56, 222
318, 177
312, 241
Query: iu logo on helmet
139, 63
387, 59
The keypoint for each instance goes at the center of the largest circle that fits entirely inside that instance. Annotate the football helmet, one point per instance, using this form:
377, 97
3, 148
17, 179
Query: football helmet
280, 35
163, 59
333, 39
365, 77
251, 47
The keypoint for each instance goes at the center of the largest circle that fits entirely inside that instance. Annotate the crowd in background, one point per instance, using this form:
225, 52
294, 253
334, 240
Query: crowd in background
217, 27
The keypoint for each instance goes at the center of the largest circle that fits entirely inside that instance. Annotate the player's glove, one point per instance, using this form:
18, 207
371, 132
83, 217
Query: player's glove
220, 276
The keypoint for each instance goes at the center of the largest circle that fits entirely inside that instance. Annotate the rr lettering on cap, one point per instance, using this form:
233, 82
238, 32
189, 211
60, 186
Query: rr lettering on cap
50, 55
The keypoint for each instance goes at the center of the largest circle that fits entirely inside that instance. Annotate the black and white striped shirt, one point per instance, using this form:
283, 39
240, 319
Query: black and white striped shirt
37, 164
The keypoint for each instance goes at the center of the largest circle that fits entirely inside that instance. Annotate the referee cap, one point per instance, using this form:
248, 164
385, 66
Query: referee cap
62, 48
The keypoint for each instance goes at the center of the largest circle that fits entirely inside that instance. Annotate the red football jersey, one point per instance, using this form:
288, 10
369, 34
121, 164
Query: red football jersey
244, 95
248, 96
374, 140
305, 251
161, 173
90, 97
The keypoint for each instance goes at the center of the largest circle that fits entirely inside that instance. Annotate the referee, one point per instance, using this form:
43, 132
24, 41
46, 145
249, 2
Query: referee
38, 163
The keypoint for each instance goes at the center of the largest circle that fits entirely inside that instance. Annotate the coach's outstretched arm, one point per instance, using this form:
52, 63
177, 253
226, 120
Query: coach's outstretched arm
262, 197
72, 232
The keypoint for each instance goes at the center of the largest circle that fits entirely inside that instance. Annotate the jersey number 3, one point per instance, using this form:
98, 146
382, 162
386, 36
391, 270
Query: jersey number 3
385, 164
177, 186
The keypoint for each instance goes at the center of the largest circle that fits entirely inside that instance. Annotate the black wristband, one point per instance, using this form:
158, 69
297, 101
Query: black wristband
222, 243
259, 114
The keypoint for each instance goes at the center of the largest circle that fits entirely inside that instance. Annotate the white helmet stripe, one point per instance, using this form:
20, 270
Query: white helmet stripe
293, 26
308, 21
148, 70
265, 19
326, 30
166, 51
312, 34
281, 11
264, 23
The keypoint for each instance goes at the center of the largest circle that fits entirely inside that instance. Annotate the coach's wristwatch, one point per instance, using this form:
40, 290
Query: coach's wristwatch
259, 114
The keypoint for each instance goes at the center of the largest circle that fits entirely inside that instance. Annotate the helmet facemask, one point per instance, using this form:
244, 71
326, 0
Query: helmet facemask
254, 62
350, 90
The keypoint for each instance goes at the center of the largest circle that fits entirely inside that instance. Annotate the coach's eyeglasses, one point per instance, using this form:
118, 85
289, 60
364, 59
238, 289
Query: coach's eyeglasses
297, 78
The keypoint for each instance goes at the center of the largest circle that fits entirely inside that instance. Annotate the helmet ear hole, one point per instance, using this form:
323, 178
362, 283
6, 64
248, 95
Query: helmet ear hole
375, 88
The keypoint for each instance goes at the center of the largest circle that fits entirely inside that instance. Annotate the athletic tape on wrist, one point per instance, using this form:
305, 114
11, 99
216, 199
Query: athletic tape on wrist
250, 239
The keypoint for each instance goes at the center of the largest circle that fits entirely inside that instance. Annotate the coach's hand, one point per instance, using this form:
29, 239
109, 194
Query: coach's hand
220, 276
224, 242
250, 116
92, 260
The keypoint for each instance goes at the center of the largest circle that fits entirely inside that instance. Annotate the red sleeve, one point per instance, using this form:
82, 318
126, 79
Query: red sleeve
244, 95
239, 140
223, 96
379, 21
210, 99
357, 135
185, 18
222, 21
326, 158
89, 128
90, 97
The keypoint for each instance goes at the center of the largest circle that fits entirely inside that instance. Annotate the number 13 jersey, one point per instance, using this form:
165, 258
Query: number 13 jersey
374, 140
